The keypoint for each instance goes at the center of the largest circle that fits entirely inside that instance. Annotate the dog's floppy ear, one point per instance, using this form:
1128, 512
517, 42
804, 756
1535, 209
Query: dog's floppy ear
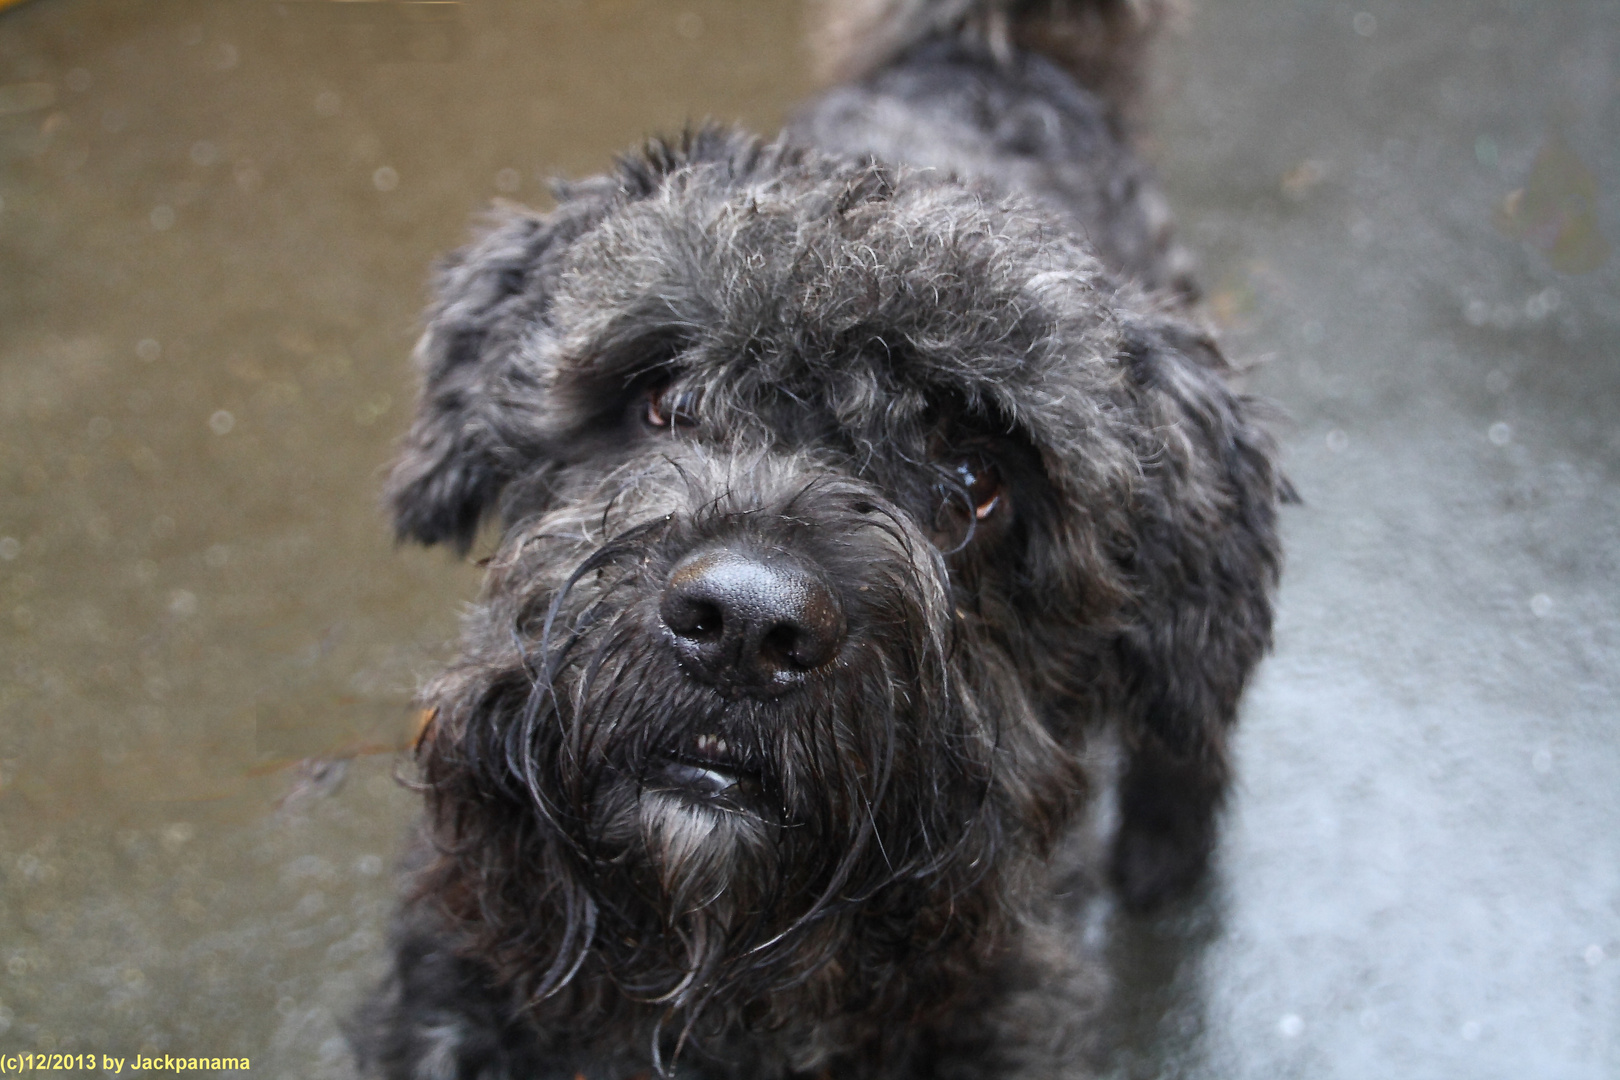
468, 437
475, 425
1206, 554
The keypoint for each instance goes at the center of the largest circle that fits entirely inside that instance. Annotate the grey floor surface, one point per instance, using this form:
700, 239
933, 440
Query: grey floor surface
216, 218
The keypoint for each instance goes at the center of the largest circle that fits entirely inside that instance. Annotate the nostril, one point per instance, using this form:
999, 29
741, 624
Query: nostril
698, 620
780, 647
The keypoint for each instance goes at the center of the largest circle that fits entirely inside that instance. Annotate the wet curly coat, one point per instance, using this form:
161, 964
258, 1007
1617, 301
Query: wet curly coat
1009, 475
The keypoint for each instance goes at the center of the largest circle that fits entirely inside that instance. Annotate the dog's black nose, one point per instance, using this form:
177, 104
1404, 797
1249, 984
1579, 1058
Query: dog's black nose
748, 622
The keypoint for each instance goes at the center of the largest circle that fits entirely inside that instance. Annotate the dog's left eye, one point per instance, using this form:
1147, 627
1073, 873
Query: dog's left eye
971, 492
668, 407
981, 480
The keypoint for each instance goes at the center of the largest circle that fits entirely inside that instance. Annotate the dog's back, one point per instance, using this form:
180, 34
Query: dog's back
1029, 97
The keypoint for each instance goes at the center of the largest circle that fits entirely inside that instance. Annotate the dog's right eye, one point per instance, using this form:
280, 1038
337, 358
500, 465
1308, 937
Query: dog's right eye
668, 407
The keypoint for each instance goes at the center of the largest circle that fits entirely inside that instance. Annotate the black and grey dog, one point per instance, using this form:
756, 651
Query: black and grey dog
846, 483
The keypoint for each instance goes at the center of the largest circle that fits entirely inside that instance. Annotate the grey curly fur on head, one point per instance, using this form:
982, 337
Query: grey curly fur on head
839, 501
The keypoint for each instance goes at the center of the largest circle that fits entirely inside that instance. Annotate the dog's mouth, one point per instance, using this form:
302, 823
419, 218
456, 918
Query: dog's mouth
706, 766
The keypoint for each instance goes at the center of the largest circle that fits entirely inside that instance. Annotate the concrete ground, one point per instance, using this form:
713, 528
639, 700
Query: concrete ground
215, 223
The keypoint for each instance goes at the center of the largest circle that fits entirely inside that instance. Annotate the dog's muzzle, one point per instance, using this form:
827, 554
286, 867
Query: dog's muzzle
748, 623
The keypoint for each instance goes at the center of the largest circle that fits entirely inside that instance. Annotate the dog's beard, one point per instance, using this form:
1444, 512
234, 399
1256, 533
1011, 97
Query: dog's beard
613, 818
731, 821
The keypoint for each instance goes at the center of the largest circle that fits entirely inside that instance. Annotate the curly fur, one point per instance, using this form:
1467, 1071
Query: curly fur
841, 335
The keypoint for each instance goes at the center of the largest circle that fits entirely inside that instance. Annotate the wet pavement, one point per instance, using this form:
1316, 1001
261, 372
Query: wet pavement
215, 224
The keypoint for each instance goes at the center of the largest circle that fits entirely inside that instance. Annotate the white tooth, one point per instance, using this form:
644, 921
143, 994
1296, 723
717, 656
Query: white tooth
719, 745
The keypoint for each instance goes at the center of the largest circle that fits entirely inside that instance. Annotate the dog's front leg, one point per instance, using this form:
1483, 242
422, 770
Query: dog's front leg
1167, 806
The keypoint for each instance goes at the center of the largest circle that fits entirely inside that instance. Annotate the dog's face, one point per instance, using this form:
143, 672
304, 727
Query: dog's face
818, 488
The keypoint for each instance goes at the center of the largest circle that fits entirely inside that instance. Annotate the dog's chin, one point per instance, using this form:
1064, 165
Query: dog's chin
702, 823
704, 838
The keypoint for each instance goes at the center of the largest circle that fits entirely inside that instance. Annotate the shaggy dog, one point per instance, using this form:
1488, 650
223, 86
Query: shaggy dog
845, 484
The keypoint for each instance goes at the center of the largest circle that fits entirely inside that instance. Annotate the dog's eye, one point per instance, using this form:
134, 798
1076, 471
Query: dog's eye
971, 492
981, 480
666, 406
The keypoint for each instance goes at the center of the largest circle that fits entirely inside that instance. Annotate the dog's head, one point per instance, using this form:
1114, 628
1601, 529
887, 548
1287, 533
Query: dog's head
826, 493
